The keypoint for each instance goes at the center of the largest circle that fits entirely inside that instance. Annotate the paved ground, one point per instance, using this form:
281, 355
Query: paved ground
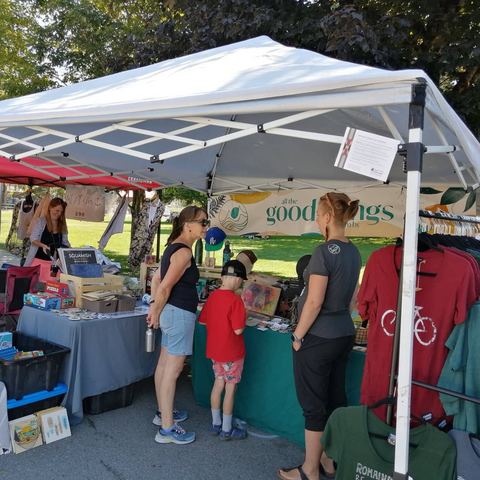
119, 445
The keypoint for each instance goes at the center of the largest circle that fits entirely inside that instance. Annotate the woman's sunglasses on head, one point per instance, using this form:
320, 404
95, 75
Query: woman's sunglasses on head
204, 222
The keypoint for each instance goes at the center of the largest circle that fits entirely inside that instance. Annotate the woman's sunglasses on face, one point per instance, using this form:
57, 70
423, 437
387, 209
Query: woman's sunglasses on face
204, 222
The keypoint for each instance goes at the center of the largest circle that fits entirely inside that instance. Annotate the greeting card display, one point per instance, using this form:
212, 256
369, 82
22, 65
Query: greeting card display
54, 423
25, 433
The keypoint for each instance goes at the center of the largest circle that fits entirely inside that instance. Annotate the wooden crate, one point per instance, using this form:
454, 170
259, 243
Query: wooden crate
146, 273
78, 286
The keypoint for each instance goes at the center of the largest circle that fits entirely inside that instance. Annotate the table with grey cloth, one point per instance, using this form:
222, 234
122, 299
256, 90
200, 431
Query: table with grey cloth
106, 354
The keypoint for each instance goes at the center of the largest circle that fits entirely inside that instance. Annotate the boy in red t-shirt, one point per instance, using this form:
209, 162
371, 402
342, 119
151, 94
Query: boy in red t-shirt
224, 315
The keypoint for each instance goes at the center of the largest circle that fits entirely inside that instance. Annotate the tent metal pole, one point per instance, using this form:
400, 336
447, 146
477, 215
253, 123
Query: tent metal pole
159, 228
414, 158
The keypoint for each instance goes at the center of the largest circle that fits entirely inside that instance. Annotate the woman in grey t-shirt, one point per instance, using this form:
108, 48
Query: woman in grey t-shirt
325, 333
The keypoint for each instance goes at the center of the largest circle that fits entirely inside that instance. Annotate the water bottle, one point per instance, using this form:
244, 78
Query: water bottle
226, 253
149, 340
199, 252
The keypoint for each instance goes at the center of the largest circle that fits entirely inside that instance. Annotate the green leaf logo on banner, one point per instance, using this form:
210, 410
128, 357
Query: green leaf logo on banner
429, 191
235, 212
472, 198
452, 195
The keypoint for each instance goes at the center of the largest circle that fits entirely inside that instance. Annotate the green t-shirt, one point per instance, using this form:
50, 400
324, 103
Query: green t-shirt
362, 457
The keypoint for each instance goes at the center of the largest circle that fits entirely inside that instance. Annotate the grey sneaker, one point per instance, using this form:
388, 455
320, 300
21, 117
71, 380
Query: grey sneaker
177, 417
177, 435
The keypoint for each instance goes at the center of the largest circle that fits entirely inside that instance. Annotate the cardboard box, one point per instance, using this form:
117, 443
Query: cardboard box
6, 339
42, 301
67, 302
57, 288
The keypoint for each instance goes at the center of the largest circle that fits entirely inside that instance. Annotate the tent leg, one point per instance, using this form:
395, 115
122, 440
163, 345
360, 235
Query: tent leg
409, 271
159, 228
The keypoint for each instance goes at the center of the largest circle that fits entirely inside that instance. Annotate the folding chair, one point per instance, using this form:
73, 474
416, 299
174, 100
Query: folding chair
18, 281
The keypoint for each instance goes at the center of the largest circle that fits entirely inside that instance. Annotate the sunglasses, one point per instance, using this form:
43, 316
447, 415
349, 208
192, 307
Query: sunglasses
204, 222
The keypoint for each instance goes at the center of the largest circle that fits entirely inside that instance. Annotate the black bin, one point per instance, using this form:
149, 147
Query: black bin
30, 375
121, 397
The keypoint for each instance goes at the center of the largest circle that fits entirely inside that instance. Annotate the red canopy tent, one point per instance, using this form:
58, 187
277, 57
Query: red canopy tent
45, 173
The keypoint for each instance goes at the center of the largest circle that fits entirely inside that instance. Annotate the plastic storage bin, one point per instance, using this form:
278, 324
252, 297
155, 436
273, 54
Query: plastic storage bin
31, 375
126, 303
122, 397
35, 402
100, 306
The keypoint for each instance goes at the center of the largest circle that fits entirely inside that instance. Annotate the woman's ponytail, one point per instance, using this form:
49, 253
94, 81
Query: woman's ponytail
351, 211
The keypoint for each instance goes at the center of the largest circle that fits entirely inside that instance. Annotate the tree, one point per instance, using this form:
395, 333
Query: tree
19, 72
184, 196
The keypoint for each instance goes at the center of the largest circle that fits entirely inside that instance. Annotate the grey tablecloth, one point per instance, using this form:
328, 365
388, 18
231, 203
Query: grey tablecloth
106, 354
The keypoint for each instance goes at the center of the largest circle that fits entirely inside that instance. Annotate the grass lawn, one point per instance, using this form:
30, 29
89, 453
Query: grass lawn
276, 256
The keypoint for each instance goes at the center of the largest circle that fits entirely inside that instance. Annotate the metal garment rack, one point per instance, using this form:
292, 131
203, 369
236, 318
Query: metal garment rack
396, 335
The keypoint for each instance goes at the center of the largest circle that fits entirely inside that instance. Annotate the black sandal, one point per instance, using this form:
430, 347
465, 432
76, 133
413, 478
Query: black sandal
325, 473
300, 471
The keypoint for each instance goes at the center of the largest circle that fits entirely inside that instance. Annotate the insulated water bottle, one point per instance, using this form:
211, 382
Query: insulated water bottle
199, 252
149, 340
226, 253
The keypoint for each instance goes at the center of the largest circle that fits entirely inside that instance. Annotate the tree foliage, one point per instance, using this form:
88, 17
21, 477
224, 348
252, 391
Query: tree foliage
184, 196
53, 42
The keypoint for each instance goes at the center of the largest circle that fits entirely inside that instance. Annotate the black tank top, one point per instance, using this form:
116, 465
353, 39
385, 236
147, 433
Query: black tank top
184, 292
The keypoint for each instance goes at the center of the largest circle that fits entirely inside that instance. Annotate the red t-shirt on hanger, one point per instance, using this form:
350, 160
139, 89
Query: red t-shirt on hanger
441, 303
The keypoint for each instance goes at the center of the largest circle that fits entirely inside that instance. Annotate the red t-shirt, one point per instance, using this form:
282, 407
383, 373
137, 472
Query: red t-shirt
223, 313
441, 303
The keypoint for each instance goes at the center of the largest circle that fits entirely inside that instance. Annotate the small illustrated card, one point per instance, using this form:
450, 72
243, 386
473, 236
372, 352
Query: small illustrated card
25, 433
54, 423
260, 298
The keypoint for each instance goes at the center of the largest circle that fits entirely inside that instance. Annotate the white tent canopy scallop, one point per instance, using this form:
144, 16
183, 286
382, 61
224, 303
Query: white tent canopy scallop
251, 116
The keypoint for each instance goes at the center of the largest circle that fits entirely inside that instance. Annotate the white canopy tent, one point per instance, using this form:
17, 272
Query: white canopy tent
253, 116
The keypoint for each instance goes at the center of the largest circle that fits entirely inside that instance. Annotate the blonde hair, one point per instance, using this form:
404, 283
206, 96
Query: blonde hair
339, 205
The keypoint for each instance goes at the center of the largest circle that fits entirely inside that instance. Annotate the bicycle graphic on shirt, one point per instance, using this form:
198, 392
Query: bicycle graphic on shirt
424, 329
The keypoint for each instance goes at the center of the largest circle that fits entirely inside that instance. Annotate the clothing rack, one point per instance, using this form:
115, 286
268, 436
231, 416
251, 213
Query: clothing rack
396, 336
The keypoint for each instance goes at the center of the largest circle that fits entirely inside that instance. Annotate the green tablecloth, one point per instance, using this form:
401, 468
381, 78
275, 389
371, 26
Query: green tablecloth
266, 396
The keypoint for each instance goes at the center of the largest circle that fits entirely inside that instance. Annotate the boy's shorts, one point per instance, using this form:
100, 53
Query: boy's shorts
230, 372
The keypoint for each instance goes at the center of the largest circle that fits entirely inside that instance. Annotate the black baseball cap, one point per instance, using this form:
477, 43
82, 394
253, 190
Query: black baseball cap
234, 268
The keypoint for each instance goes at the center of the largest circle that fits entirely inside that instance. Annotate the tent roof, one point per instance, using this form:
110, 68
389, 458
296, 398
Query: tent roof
200, 114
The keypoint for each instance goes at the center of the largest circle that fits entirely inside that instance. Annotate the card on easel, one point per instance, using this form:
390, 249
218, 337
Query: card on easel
54, 423
25, 433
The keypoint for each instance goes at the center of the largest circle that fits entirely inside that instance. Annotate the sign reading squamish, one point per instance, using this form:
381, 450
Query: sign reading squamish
293, 212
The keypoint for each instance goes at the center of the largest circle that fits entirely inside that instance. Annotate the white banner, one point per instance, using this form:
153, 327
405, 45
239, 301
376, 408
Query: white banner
85, 203
293, 212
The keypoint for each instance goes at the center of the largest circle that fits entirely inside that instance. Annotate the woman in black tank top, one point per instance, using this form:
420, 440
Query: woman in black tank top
173, 308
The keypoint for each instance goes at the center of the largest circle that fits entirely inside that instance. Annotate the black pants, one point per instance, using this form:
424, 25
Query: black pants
319, 368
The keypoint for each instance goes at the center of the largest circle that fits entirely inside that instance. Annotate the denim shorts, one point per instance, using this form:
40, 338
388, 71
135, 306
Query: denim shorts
177, 327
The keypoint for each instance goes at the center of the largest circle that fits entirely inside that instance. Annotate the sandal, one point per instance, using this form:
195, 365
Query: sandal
325, 473
300, 471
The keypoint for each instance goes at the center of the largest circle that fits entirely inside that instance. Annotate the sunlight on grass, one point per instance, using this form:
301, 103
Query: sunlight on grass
276, 256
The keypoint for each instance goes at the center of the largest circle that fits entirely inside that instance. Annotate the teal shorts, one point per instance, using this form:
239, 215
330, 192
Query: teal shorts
177, 327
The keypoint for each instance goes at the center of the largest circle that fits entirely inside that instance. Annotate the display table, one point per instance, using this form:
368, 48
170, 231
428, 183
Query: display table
106, 354
266, 396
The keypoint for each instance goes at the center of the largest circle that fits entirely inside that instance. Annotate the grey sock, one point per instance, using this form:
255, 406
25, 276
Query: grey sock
227, 423
216, 417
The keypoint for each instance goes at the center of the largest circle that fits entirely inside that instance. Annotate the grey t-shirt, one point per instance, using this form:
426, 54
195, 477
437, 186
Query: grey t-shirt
341, 263
468, 455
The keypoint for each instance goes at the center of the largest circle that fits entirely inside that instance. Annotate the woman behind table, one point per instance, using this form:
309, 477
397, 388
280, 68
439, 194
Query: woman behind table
325, 332
174, 308
48, 233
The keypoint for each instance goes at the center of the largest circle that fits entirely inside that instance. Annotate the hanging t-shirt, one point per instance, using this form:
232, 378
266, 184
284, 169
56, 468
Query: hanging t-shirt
468, 455
25, 218
441, 303
360, 456
223, 313
473, 263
